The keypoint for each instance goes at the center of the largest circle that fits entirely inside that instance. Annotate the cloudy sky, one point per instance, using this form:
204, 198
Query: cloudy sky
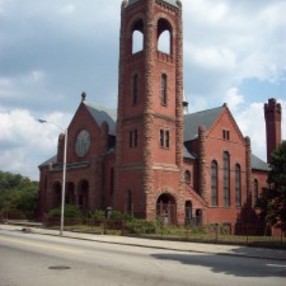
51, 51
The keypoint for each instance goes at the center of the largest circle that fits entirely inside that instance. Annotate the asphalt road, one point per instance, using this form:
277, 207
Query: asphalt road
32, 259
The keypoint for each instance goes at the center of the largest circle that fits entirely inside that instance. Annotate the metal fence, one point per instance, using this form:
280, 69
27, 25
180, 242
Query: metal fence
248, 234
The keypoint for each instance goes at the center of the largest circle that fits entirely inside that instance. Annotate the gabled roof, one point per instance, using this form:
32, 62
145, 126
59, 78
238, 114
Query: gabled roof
258, 164
101, 115
204, 118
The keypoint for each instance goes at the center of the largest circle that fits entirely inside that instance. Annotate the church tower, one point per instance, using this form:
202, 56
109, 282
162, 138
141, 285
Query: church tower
149, 143
272, 113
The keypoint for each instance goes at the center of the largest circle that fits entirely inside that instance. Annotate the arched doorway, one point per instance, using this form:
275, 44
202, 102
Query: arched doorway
167, 209
83, 190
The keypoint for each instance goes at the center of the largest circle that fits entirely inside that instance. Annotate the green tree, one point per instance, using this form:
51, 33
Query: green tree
272, 203
18, 194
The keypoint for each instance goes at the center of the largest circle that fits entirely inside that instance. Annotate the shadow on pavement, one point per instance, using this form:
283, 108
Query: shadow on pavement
230, 265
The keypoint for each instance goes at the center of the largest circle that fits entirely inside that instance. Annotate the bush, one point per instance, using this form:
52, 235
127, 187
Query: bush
97, 215
141, 226
117, 215
71, 211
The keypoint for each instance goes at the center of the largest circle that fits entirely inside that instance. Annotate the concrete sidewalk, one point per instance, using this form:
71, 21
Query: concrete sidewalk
214, 249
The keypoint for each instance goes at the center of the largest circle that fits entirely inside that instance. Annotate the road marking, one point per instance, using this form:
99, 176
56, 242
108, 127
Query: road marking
276, 265
40, 245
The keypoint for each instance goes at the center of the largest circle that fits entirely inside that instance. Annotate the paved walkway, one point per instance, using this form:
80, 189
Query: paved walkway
215, 249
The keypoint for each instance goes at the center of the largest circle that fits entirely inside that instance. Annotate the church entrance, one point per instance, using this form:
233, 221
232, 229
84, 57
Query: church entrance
167, 209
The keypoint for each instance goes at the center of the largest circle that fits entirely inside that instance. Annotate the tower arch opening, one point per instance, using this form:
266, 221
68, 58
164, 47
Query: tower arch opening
164, 36
137, 36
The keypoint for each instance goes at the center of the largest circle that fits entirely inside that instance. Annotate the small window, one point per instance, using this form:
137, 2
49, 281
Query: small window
133, 138
167, 135
164, 138
187, 177
135, 89
163, 89
226, 134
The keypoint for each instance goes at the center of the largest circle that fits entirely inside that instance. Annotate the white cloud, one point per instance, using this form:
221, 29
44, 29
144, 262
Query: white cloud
213, 57
233, 98
2, 3
252, 123
25, 143
246, 40
68, 9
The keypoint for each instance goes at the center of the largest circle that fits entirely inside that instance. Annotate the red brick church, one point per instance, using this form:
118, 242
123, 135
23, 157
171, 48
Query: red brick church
153, 159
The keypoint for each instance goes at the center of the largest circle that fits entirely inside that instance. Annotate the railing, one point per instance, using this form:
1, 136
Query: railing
214, 233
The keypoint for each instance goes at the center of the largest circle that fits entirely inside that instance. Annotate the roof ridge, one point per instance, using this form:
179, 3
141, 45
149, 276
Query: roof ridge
205, 110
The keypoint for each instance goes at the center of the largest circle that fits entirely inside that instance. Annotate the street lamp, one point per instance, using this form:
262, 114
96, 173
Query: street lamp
64, 172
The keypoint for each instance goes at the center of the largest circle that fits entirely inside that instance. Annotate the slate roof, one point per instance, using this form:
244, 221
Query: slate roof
52, 160
258, 164
102, 115
204, 118
171, 2
188, 154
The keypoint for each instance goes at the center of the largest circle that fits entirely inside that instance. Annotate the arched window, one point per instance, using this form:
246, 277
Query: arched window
138, 37
237, 185
188, 212
226, 178
129, 202
111, 181
164, 36
187, 177
214, 183
135, 89
83, 194
163, 89
255, 192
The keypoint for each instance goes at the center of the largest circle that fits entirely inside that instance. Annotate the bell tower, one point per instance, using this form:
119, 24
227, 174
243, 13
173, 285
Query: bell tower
149, 150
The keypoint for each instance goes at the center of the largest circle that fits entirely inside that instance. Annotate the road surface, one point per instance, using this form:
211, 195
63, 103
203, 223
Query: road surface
28, 259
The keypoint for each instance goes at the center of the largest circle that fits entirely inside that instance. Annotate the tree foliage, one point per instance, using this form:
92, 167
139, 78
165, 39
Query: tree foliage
272, 203
18, 195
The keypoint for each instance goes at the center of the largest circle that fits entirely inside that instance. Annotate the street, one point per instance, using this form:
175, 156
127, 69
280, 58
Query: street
28, 259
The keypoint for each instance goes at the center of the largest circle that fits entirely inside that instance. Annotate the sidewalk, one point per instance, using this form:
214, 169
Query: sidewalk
215, 249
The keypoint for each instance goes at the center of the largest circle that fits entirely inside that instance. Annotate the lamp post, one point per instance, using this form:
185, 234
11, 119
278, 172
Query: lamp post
64, 172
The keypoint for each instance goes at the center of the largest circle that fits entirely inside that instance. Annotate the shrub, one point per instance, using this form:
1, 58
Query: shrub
97, 215
141, 226
71, 211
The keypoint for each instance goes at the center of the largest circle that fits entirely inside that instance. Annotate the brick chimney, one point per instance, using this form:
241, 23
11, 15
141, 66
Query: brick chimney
272, 114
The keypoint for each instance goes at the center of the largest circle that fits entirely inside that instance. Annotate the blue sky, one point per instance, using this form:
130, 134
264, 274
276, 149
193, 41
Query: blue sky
51, 51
